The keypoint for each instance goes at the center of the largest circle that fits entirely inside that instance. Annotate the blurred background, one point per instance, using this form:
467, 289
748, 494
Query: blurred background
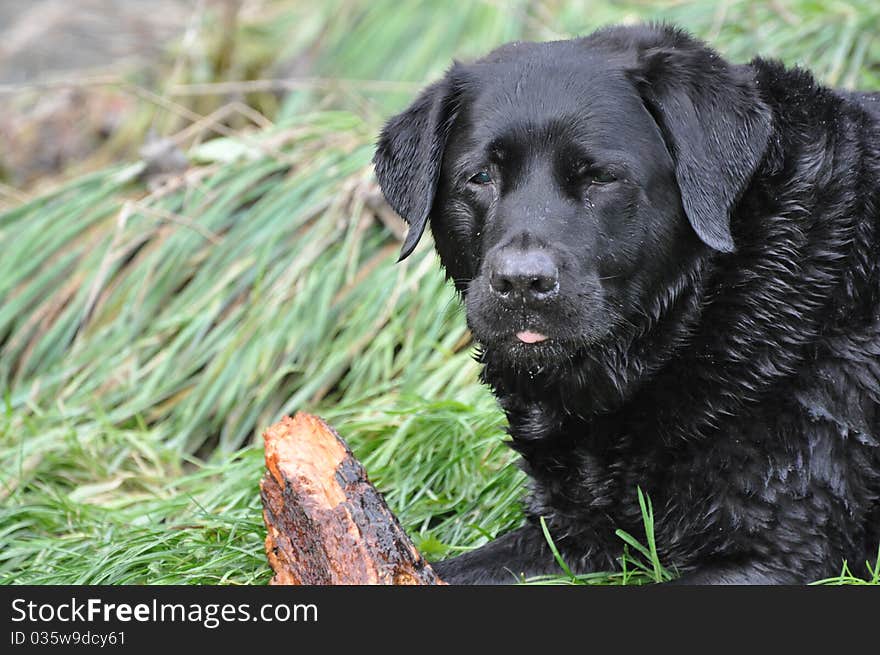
193, 244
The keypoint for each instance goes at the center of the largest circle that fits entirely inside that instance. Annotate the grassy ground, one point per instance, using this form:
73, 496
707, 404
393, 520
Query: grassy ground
148, 334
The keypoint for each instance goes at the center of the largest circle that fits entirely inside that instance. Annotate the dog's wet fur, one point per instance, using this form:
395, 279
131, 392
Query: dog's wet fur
671, 266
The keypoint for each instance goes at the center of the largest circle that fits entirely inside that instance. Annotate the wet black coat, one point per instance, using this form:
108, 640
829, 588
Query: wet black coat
741, 391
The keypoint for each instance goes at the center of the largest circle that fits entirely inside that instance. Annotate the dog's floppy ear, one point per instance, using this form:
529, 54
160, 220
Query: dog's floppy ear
409, 154
715, 125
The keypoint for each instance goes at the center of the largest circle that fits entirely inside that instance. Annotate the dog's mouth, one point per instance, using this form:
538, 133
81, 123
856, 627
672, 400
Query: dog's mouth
523, 337
531, 337
558, 329
532, 331
534, 336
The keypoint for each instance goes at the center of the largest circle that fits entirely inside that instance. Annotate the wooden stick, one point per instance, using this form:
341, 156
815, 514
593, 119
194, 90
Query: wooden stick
326, 523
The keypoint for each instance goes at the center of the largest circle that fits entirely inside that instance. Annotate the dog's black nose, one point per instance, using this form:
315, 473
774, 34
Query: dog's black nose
524, 276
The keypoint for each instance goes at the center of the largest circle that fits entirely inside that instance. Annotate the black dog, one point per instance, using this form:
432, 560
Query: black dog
672, 266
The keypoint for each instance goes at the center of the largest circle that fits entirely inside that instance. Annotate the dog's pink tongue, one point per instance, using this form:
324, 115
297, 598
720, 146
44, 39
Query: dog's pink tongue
527, 336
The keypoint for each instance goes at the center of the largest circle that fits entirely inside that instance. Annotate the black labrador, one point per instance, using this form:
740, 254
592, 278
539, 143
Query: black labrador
671, 264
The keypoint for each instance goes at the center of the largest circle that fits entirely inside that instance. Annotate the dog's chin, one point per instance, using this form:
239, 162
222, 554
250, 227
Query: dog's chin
534, 349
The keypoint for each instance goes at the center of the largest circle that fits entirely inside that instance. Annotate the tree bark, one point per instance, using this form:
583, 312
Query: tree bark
326, 523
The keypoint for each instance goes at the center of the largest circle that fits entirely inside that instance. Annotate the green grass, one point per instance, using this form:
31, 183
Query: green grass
870, 575
148, 336
639, 563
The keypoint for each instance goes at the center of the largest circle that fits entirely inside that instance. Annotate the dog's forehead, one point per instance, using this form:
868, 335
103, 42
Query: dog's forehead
537, 87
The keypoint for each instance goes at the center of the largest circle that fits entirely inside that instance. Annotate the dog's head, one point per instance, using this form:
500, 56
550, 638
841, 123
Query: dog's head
566, 182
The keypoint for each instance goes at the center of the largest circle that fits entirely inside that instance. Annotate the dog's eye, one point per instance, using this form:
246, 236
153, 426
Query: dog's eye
588, 174
602, 177
481, 178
